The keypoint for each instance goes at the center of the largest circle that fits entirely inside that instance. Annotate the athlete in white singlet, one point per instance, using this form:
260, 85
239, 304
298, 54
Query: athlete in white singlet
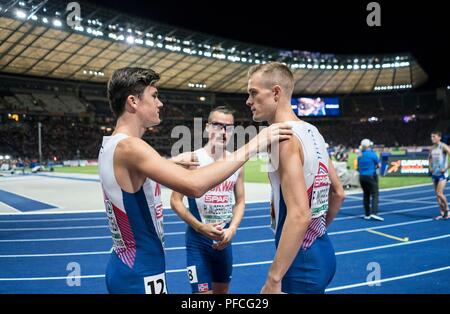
306, 192
213, 218
131, 172
438, 161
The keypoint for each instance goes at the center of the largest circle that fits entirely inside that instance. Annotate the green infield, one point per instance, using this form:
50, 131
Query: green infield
255, 172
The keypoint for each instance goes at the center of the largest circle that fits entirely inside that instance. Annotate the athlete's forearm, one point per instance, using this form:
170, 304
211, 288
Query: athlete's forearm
334, 204
292, 237
238, 214
207, 177
178, 206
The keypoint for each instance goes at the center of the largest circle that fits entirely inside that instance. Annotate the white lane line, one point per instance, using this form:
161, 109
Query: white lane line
243, 228
392, 245
382, 227
234, 243
261, 263
55, 239
251, 217
238, 243
56, 228
370, 283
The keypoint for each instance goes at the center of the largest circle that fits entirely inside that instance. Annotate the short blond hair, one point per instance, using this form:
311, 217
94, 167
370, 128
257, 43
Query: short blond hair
275, 73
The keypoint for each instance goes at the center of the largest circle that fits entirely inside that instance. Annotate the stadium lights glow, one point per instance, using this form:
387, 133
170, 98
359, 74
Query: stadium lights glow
196, 85
20, 14
1, 157
7, 157
216, 51
392, 87
22, 4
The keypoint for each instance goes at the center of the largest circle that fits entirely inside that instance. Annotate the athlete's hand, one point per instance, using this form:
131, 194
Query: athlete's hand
187, 160
228, 234
271, 287
273, 134
443, 170
212, 231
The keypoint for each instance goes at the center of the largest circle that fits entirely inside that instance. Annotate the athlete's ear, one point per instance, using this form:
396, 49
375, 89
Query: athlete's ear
131, 104
276, 89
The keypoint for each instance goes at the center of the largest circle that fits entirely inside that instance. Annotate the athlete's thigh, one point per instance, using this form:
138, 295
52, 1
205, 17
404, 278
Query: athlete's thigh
222, 267
441, 186
199, 269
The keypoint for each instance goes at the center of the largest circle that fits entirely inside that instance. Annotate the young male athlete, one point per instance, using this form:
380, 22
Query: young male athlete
131, 172
215, 216
438, 160
302, 206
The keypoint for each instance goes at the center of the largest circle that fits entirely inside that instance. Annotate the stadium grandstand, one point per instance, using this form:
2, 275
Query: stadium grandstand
56, 74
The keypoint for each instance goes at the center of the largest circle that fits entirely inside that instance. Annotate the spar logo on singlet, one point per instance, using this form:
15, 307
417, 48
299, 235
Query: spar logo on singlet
320, 192
217, 199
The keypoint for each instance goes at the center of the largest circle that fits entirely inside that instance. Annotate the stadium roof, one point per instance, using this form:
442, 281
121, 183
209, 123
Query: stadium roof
36, 40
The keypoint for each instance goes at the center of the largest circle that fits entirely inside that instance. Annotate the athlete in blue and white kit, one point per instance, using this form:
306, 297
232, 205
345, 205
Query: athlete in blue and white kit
213, 218
302, 177
131, 172
438, 160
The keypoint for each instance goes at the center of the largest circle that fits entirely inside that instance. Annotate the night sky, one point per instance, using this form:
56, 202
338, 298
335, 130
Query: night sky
421, 28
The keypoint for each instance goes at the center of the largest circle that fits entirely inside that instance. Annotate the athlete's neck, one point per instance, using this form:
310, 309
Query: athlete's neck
130, 128
214, 151
283, 113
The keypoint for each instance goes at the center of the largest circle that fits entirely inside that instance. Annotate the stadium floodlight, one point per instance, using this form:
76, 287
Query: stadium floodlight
130, 39
21, 14
1, 157
349, 67
7, 157
149, 43
22, 4
57, 23
45, 20
34, 17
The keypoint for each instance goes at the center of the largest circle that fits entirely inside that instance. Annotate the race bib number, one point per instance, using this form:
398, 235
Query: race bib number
155, 284
217, 208
319, 200
192, 274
